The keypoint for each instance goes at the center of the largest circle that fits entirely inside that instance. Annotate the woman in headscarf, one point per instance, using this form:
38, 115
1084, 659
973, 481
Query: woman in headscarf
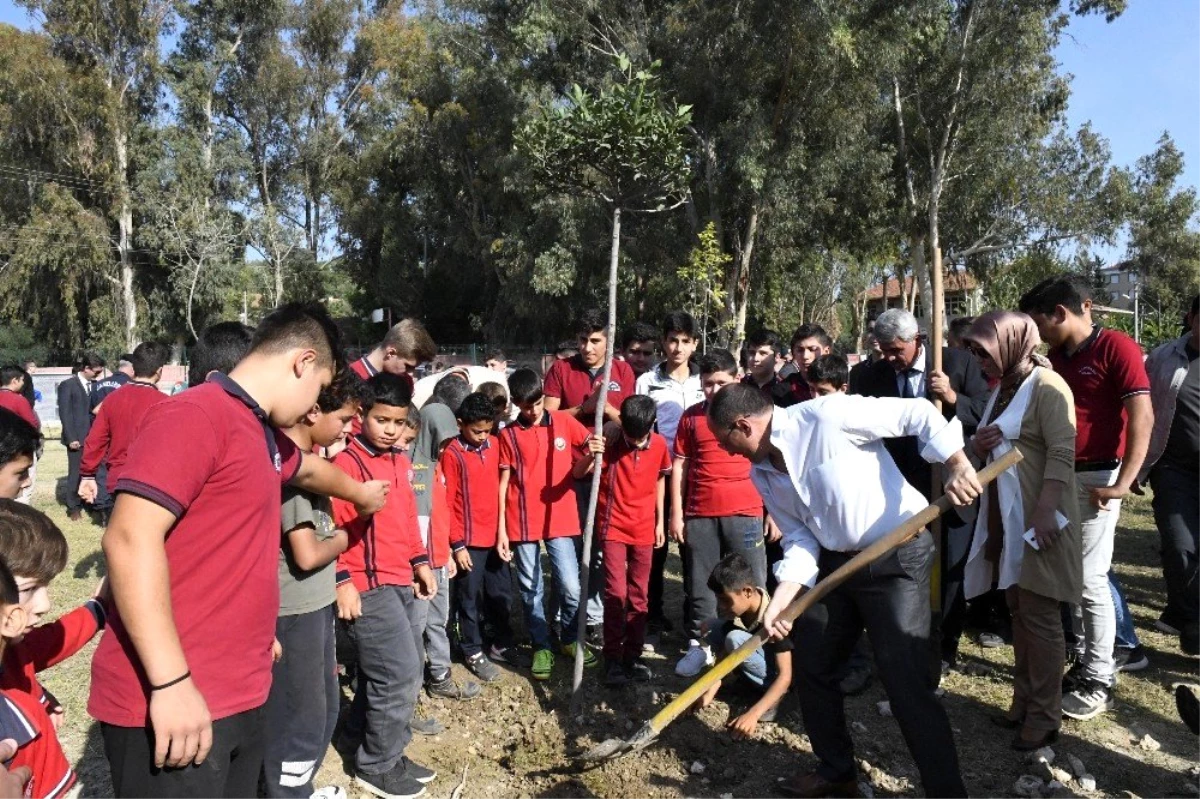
1031, 409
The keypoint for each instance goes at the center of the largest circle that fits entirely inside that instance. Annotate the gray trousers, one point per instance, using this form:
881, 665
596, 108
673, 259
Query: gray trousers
437, 639
387, 637
708, 539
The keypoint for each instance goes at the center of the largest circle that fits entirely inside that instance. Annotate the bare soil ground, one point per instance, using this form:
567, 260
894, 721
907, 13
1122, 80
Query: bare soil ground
520, 740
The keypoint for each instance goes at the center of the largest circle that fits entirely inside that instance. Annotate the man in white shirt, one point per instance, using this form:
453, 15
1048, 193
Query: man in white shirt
833, 489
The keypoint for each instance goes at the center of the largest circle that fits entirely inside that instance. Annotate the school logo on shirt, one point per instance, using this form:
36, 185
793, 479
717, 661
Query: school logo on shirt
560, 443
1089, 371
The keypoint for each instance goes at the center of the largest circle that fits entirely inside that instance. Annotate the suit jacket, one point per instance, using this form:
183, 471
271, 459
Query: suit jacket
74, 410
879, 380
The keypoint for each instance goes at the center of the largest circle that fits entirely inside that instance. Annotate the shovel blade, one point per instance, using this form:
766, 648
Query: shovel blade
613, 747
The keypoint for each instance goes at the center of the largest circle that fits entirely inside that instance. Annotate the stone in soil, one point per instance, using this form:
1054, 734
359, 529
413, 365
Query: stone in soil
1148, 743
1087, 782
858, 727
1028, 785
1045, 754
697, 767
1077, 767
884, 709
1190, 788
865, 790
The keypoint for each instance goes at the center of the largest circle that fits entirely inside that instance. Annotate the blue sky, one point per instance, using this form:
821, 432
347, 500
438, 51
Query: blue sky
1133, 78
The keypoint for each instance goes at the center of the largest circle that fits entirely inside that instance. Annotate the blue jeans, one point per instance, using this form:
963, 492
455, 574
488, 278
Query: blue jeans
1126, 637
725, 638
564, 566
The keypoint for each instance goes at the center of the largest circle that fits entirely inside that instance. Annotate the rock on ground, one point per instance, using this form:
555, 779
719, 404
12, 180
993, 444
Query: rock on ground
1028, 785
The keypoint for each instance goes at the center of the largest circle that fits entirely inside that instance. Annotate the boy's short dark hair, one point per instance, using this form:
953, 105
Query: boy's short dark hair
345, 388
1069, 291
831, 369
388, 389
495, 354
477, 407
10, 373
31, 544
591, 321
451, 390
411, 340
148, 357
17, 437
765, 338
497, 393
809, 330
89, 360
305, 325
218, 349
9, 593
524, 385
565, 349
735, 401
679, 322
639, 333
716, 361
638, 414
731, 574
959, 326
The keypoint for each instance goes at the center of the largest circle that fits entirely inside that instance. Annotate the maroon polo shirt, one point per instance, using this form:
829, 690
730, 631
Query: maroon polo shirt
117, 424
204, 456
628, 503
572, 382
1107, 369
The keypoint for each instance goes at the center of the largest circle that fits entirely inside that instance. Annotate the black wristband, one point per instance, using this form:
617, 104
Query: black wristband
175, 681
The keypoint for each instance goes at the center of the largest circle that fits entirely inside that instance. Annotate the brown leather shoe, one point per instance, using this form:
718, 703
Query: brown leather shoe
813, 784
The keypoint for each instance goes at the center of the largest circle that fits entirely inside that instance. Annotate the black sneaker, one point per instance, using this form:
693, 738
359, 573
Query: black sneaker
394, 784
1089, 699
483, 668
427, 726
595, 636
1130, 659
639, 671
615, 676
449, 689
1072, 678
418, 772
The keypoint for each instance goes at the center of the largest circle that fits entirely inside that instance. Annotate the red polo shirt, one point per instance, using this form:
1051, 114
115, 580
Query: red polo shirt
540, 502
202, 455
718, 484
1106, 369
439, 520
117, 423
386, 546
17, 403
572, 382
628, 501
24, 721
472, 492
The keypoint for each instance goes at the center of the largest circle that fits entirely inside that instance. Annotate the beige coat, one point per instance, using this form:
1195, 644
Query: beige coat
1047, 441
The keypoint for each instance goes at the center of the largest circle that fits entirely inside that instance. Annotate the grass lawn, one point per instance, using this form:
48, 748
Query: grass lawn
517, 740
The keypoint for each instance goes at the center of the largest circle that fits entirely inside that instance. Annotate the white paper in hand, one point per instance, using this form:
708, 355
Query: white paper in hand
1032, 541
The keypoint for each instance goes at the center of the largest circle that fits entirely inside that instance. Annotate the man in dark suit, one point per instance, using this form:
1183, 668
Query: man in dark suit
75, 396
906, 370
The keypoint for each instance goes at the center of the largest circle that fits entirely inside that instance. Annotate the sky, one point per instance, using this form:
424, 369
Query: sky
1134, 78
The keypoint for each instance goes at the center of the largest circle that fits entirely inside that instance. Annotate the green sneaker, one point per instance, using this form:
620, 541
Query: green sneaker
543, 664
589, 657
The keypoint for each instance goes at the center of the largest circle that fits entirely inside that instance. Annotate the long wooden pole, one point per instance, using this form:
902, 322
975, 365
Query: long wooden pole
585, 558
935, 358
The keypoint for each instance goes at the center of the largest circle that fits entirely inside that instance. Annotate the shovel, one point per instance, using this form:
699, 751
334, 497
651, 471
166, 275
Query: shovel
616, 747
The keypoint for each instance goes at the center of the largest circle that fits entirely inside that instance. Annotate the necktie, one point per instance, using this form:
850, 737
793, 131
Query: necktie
907, 389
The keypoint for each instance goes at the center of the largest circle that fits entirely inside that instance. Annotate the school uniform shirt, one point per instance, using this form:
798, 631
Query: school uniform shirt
541, 502
47, 645
628, 502
670, 396
782, 392
12, 401
791, 390
211, 459
22, 720
572, 382
116, 425
472, 492
718, 484
1105, 371
842, 491
300, 590
386, 546
439, 520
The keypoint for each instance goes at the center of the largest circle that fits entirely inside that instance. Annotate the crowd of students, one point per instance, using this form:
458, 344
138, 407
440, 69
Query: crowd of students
288, 497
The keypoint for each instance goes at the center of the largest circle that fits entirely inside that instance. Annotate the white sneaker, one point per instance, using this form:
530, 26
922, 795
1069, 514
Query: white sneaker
330, 792
697, 658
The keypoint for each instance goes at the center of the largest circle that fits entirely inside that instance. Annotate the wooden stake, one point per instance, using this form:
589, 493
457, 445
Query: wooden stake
934, 357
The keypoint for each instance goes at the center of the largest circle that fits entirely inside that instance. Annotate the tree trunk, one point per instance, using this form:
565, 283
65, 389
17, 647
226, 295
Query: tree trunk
741, 295
125, 240
585, 559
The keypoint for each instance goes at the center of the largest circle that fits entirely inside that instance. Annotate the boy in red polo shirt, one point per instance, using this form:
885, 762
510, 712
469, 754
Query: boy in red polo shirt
119, 418
12, 382
406, 346
629, 523
382, 576
183, 672
538, 453
483, 587
22, 719
715, 510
